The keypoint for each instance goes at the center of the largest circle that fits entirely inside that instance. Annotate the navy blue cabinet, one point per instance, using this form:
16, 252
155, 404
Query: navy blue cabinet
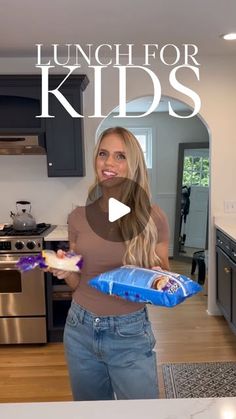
226, 277
20, 103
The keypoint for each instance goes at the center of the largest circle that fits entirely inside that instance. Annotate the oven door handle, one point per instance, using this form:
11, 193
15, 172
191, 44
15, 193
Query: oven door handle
7, 264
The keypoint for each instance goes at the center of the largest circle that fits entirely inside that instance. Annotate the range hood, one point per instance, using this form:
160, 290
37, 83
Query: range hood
22, 144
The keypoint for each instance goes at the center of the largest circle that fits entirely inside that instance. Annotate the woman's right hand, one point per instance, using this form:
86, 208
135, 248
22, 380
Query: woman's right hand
70, 277
60, 274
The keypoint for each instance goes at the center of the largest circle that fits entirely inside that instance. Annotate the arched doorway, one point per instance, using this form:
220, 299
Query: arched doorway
163, 138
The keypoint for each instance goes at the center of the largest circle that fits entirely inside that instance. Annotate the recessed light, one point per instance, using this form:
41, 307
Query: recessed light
229, 36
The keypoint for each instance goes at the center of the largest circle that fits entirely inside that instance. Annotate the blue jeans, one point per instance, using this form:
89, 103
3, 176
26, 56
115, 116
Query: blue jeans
110, 356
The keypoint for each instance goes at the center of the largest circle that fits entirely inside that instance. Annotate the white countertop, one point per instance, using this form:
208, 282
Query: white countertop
60, 233
217, 408
227, 225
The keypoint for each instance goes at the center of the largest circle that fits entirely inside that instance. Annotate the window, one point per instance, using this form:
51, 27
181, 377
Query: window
196, 170
144, 137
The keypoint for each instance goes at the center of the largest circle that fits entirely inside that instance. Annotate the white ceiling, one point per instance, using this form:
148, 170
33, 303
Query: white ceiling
24, 23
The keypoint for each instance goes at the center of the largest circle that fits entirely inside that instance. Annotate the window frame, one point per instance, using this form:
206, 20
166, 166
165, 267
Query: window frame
148, 133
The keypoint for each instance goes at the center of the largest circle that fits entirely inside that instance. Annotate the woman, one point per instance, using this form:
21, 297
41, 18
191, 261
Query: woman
108, 340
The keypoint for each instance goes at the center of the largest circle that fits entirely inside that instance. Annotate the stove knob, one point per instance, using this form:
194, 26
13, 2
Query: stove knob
31, 245
19, 245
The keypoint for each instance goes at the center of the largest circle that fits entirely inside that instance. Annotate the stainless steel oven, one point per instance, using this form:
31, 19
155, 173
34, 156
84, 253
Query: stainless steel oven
22, 295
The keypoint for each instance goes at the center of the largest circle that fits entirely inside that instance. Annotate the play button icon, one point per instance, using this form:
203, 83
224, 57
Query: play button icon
116, 209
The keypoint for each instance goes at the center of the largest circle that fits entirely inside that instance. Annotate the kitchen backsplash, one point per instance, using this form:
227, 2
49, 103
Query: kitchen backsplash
52, 199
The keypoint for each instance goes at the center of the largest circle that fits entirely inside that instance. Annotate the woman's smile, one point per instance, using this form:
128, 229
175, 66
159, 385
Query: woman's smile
111, 160
108, 173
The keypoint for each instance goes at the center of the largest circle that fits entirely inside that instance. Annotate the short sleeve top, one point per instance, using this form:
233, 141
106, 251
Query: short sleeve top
102, 255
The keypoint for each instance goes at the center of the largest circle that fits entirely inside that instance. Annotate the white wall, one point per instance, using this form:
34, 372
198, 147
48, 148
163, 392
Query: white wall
217, 89
168, 132
25, 177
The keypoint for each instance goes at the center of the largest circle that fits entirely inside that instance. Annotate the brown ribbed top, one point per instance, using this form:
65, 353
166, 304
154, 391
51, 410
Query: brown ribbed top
102, 255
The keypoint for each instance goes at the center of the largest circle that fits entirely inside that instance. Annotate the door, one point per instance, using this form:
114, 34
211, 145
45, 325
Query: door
196, 223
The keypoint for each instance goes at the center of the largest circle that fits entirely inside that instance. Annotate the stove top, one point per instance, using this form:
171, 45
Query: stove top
9, 231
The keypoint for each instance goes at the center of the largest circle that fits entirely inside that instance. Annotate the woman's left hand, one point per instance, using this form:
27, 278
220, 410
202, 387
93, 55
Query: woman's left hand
157, 268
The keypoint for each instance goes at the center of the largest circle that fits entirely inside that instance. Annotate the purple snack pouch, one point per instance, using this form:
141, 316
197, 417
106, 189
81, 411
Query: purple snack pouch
26, 263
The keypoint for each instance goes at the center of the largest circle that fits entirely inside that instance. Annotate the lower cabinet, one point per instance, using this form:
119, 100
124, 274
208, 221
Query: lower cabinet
234, 296
226, 277
59, 297
224, 283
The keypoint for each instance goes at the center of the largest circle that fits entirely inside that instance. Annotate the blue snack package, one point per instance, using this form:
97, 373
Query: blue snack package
158, 287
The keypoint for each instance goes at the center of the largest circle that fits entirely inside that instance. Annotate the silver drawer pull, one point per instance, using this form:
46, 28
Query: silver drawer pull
227, 270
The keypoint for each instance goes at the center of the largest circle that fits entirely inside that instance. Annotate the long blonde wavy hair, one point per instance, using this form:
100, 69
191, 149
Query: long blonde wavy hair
140, 249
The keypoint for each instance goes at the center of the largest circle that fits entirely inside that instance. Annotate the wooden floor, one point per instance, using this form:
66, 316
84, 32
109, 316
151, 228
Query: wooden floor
184, 334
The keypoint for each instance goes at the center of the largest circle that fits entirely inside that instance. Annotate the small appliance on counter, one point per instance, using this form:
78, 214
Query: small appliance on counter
22, 294
23, 219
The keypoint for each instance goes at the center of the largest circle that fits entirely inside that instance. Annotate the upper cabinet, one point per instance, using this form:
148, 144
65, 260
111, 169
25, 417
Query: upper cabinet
20, 103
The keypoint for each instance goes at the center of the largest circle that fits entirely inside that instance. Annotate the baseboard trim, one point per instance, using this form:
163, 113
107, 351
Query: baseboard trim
214, 313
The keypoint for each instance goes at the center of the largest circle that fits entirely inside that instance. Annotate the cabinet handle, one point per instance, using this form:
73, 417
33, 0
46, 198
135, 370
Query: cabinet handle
227, 270
49, 164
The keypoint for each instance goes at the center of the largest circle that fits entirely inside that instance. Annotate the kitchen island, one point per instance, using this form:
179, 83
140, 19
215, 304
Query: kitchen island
217, 408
